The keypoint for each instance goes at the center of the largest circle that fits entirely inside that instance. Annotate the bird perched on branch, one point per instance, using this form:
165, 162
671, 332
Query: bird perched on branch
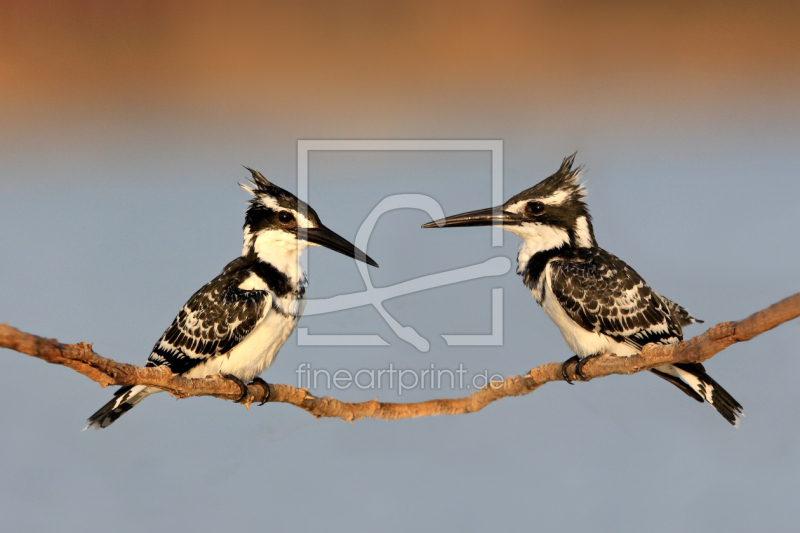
236, 324
599, 303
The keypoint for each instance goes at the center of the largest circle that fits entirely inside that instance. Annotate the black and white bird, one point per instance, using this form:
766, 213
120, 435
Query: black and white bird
599, 303
236, 324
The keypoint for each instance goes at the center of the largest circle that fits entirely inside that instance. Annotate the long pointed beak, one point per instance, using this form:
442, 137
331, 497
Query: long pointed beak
494, 216
325, 237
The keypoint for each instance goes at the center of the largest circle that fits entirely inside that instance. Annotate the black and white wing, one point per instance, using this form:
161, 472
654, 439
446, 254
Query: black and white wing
603, 294
214, 320
680, 313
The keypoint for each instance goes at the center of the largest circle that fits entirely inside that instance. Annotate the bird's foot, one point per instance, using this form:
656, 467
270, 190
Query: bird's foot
579, 366
242, 387
565, 367
258, 381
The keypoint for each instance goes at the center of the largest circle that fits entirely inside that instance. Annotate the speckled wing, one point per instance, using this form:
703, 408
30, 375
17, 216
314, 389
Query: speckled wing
680, 313
214, 320
603, 294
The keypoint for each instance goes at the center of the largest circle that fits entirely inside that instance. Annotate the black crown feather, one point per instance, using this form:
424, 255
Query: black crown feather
565, 179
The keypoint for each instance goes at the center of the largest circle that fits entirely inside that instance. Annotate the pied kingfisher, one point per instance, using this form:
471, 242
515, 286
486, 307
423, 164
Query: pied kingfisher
238, 321
599, 303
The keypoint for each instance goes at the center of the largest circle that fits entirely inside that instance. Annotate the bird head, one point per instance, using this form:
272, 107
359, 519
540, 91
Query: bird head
550, 214
278, 225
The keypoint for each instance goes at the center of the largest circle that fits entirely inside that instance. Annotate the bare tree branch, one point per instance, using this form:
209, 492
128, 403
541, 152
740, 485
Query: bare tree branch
81, 358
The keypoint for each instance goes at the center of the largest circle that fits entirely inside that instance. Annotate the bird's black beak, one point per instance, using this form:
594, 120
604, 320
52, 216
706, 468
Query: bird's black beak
494, 216
325, 237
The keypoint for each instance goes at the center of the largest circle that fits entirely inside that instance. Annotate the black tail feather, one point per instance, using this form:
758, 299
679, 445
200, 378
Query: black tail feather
708, 390
124, 400
690, 392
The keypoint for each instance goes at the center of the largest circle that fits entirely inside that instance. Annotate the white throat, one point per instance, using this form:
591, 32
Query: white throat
280, 249
536, 238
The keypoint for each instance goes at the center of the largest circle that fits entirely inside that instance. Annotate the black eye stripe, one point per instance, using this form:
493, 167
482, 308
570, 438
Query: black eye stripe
258, 218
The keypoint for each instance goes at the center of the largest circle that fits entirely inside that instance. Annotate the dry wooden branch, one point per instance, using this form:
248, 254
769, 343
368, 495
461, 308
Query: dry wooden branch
81, 358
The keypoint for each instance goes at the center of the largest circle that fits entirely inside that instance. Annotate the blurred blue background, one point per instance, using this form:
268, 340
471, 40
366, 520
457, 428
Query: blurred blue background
118, 200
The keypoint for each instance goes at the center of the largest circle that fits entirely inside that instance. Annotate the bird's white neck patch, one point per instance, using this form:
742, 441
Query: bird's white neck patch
536, 238
582, 235
280, 249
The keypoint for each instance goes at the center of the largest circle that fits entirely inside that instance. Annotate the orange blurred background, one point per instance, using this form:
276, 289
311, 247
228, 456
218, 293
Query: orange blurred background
345, 60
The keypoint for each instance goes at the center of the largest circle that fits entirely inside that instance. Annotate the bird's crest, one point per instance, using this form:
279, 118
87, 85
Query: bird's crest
558, 188
267, 195
258, 181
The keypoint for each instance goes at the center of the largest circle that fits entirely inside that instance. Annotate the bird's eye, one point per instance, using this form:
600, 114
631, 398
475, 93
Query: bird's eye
285, 217
534, 208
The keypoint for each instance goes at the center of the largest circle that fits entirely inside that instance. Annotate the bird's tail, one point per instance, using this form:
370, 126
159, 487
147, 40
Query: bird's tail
692, 379
124, 400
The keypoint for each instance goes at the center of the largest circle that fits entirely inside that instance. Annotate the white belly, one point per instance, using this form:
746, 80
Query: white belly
583, 343
254, 354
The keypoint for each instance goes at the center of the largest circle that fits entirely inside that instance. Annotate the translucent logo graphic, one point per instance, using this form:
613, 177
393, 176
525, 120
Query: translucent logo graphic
375, 296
